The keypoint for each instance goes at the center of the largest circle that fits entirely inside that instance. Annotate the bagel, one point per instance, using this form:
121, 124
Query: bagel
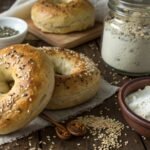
33, 81
63, 16
77, 79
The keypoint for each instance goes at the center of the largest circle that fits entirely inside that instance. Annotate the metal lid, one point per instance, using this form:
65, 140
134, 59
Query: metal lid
136, 2
123, 6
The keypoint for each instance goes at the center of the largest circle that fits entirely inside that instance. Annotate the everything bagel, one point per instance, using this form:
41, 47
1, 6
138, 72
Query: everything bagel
63, 16
77, 78
33, 81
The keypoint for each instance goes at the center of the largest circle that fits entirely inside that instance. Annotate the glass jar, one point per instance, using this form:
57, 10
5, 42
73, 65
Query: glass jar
126, 36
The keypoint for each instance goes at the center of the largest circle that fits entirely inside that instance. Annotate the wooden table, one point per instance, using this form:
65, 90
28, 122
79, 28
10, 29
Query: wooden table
91, 49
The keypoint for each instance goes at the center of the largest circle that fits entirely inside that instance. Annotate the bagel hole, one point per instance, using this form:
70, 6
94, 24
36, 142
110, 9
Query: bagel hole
6, 86
62, 66
10, 84
59, 74
63, 69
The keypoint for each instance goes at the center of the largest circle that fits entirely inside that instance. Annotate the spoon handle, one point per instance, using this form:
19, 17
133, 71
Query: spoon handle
51, 120
61, 130
73, 127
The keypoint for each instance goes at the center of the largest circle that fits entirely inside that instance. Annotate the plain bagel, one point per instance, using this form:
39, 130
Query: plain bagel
77, 78
33, 81
63, 16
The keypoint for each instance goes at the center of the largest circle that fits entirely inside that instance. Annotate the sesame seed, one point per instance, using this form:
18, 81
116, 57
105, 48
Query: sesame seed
30, 144
30, 99
104, 130
144, 138
17, 144
44, 143
126, 143
54, 136
53, 143
30, 137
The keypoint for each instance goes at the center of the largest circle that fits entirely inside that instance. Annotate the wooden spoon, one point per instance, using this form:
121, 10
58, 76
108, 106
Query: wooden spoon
73, 127
61, 131
76, 128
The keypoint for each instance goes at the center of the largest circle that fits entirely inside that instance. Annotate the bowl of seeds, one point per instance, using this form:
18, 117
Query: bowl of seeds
12, 31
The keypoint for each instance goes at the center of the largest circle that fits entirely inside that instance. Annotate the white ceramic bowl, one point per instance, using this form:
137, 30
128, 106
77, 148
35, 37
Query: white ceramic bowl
14, 23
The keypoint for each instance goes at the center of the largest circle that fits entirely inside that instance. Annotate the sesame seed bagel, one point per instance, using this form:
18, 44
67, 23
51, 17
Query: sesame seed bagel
27, 77
77, 79
63, 16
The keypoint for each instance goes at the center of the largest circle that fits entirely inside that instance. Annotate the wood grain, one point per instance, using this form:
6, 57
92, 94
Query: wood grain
67, 40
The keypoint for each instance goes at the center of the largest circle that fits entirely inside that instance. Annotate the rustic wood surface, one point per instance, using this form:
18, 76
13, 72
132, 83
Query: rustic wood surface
91, 49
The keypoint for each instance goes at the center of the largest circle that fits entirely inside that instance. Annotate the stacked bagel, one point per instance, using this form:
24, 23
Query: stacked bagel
63, 16
33, 79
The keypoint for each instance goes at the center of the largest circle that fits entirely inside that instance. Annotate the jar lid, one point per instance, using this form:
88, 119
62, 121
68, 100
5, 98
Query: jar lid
136, 2
129, 6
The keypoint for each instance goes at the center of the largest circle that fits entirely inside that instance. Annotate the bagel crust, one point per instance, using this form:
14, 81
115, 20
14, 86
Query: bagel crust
77, 78
33, 77
63, 16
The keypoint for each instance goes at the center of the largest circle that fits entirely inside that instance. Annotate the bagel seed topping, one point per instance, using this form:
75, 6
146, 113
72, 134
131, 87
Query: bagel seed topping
1, 110
24, 95
18, 110
30, 99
